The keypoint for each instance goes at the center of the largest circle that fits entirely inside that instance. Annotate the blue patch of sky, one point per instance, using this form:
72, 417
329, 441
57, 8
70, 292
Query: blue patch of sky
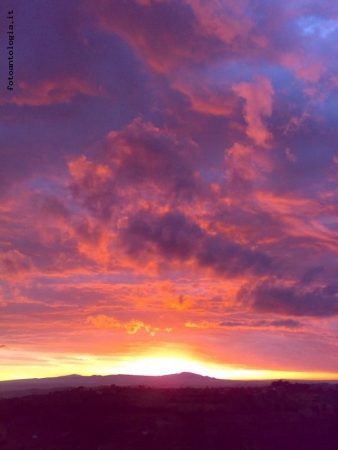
235, 72
212, 176
319, 26
329, 111
48, 187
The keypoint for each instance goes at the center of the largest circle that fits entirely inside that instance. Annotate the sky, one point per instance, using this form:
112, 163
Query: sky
169, 188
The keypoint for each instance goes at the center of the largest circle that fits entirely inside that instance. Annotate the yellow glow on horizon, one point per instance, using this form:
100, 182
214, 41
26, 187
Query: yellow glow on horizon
24, 365
162, 366
170, 365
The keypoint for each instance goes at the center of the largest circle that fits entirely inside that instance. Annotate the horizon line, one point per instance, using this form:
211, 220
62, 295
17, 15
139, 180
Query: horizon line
294, 379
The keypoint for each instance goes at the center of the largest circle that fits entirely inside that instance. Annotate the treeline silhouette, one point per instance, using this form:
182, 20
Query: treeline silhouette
279, 417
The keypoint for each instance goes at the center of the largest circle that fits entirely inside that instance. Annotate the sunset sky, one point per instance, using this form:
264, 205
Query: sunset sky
169, 188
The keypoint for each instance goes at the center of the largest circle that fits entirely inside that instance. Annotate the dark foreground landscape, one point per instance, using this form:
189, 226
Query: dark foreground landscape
281, 416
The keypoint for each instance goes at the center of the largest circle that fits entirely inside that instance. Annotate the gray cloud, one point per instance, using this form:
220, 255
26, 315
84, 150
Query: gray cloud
174, 236
278, 323
318, 302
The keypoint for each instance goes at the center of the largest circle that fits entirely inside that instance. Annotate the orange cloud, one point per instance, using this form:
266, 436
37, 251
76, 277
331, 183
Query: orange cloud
92, 175
202, 324
134, 326
102, 321
131, 327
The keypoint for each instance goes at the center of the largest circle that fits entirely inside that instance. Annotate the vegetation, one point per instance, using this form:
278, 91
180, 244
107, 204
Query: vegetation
281, 416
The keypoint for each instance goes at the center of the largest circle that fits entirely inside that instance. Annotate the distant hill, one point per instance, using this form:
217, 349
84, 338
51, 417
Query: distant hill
16, 388
179, 380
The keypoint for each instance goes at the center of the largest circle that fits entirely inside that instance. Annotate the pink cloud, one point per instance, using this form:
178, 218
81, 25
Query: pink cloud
246, 164
48, 92
232, 23
15, 265
303, 67
138, 156
258, 104
139, 24
204, 98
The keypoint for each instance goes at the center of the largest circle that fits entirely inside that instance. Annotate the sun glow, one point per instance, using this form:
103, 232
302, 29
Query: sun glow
167, 365
163, 366
22, 365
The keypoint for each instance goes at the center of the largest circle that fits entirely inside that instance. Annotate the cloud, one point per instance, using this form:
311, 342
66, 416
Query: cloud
258, 104
52, 91
290, 155
293, 301
194, 31
246, 168
170, 22
223, 20
204, 95
174, 237
103, 321
203, 324
130, 327
226, 257
53, 207
312, 274
246, 324
138, 159
278, 323
134, 326
14, 264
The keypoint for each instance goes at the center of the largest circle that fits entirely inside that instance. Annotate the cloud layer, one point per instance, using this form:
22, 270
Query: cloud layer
169, 177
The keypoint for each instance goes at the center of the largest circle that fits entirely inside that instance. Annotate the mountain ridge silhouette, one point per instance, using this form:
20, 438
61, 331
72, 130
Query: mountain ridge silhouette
175, 380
